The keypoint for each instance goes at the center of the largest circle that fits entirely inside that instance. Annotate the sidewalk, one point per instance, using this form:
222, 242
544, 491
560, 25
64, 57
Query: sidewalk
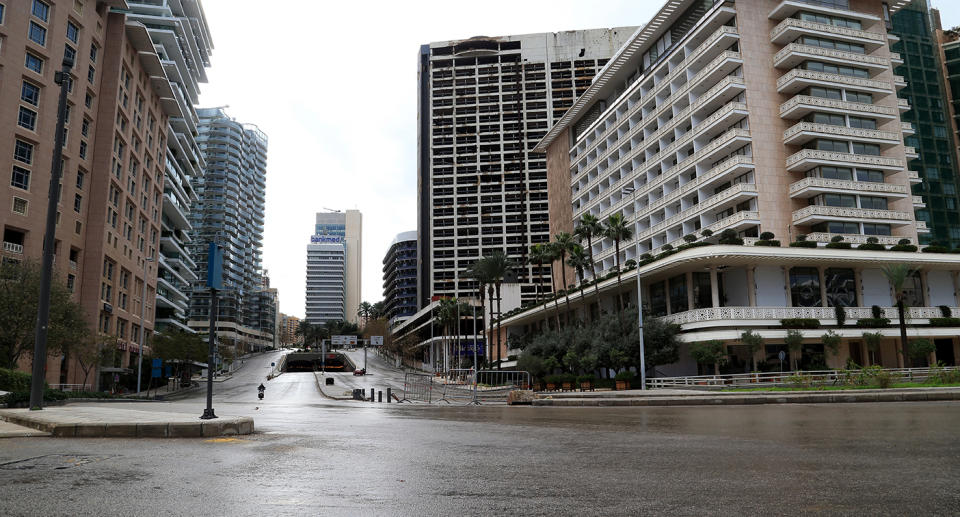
117, 422
668, 397
8, 430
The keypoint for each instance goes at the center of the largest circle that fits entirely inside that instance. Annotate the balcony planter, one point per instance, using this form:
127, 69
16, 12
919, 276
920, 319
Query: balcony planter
945, 322
936, 249
903, 247
800, 323
586, 382
623, 380
873, 323
803, 244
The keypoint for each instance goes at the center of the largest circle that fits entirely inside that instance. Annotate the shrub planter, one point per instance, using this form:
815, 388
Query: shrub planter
803, 244
622, 385
800, 323
873, 323
551, 386
945, 322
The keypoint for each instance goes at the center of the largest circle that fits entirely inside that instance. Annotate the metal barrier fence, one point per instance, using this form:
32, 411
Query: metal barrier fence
495, 385
827, 377
459, 385
417, 387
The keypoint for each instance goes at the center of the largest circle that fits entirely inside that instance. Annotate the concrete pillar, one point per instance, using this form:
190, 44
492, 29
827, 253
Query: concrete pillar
689, 282
714, 287
751, 287
786, 286
666, 285
956, 287
823, 286
865, 353
858, 285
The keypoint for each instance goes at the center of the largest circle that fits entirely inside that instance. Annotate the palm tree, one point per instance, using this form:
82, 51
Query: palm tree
478, 272
552, 254
589, 227
309, 332
615, 227
564, 243
897, 275
495, 267
539, 253
580, 262
363, 311
446, 316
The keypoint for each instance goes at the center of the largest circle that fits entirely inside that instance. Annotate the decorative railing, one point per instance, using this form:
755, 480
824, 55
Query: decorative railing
739, 314
845, 80
857, 159
842, 131
904, 103
913, 175
853, 238
858, 213
909, 150
785, 378
12, 248
921, 225
865, 186
906, 127
895, 56
821, 102
823, 27
721, 197
917, 200
797, 48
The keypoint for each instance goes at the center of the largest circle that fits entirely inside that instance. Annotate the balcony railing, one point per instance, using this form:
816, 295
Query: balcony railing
862, 186
834, 157
831, 54
836, 105
854, 238
848, 33
794, 133
13, 248
823, 77
830, 212
740, 314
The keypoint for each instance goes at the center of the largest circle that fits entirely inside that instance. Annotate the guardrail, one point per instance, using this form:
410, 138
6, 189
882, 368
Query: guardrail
781, 378
417, 387
71, 387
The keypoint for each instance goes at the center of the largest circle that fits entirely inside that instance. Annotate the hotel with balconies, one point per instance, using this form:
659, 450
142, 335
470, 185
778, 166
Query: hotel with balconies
722, 122
400, 278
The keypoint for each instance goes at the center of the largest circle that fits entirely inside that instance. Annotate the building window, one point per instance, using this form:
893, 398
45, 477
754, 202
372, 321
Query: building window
37, 34
912, 291
1, 14
91, 74
805, 287
93, 53
23, 152
83, 150
658, 299
678, 294
77, 202
34, 63
872, 202
841, 287
30, 93
870, 176
21, 178
73, 33
70, 281
80, 177
27, 118
876, 229
41, 10
19, 206
69, 53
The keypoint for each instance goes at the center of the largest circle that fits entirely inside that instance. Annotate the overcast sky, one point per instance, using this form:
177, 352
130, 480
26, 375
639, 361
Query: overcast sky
333, 85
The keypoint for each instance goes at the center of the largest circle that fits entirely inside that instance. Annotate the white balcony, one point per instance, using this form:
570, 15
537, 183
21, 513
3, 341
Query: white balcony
788, 8
807, 159
796, 80
899, 82
918, 202
896, 59
911, 153
818, 213
922, 227
771, 316
854, 238
10, 247
803, 132
801, 105
809, 187
790, 29
907, 128
914, 177
795, 53
903, 105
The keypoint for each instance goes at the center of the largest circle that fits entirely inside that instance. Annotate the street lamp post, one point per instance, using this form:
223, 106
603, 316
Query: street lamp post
143, 326
46, 275
643, 360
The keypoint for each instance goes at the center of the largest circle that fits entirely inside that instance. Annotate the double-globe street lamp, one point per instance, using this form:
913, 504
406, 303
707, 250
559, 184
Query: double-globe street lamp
632, 191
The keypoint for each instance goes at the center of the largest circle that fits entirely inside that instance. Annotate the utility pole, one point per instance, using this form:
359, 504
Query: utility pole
46, 276
214, 282
143, 327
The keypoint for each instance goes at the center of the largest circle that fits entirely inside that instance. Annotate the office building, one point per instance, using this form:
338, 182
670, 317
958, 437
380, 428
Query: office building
333, 267
288, 330
230, 213
179, 33
926, 92
108, 216
400, 278
689, 129
483, 104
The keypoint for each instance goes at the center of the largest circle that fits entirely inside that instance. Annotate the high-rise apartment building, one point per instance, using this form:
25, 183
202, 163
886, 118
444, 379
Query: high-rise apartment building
180, 36
400, 278
230, 213
926, 93
288, 330
768, 123
333, 267
113, 160
483, 104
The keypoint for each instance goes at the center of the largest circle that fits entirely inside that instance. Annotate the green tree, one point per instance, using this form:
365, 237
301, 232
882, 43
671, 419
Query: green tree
754, 343
580, 262
920, 349
178, 347
897, 275
616, 228
494, 268
873, 341
364, 310
564, 244
831, 342
589, 227
708, 352
540, 253
19, 297
794, 341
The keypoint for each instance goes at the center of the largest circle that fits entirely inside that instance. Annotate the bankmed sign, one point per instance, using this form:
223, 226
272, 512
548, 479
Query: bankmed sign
326, 239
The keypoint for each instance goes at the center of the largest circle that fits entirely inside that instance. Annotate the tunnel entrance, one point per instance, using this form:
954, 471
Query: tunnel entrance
312, 362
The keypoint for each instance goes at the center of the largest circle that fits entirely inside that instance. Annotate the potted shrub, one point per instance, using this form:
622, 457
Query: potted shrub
567, 382
623, 379
836, 242
903, 245
767, 239
872, 244
729, 236
802, 242
553, 381
586, 382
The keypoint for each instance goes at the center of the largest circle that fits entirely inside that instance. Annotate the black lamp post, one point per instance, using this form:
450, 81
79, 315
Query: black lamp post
46, 276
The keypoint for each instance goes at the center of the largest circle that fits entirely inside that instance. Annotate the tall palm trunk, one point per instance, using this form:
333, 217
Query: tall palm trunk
490, 343
903, 359
498, 324
539, 281
616, 244
593, 271
566, 292
556, 302
482, 301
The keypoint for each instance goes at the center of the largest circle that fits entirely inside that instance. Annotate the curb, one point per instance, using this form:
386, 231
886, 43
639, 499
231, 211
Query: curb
320, 389
204, 429
740, 400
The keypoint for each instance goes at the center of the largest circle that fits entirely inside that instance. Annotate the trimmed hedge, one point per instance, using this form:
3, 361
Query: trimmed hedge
945, 322
903, 247
936, 249
762, 242
838, 245
873, 323
800, 323
803, 244
869, 246
13, 380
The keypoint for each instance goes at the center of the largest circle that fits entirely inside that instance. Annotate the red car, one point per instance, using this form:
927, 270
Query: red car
360, 371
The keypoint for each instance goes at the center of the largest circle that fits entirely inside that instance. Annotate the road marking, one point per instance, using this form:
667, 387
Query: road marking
226, 440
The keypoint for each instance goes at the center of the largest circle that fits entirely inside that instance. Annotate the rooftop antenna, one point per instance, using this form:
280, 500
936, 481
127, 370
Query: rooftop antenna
331, 210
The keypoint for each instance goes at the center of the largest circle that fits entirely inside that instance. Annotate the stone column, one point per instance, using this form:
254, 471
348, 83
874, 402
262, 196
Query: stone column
823, 286
666, 292
714, 287
751, 287
689, 281
956, 288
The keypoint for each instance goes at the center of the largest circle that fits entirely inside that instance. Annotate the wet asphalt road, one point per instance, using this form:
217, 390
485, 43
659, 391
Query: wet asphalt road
313, 456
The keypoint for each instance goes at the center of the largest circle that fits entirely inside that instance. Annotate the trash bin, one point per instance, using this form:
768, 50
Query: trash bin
329, 381
358, 394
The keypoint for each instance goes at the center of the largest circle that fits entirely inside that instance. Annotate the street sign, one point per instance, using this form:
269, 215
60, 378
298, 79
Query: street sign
215, 266
376, 340
343, 340
782, 355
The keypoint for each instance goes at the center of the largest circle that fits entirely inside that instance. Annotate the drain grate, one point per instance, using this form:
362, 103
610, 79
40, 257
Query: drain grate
53, 462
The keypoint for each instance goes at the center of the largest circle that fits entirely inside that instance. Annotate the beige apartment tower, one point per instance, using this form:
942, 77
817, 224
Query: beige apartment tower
334, 267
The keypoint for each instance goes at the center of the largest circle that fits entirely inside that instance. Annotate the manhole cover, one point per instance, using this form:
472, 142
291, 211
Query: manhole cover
53, 462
